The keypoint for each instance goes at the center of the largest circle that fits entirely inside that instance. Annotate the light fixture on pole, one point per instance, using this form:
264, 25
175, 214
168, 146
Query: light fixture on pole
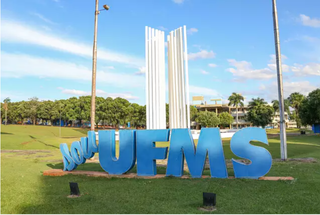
94, 65
283, 137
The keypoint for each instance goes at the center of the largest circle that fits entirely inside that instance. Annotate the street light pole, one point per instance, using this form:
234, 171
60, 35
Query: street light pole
283, 137
94, 68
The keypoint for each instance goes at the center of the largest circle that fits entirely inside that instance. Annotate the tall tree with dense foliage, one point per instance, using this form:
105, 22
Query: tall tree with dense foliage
309, 110
226, 119
236, 100
260, 113
193, 113
32, 109
121, 110
6, 102
295, 100
207, 119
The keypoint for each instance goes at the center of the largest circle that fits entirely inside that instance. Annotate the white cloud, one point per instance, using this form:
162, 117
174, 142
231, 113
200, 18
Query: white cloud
14, 32
178, 1
307, 21
142, 71
203, 54
306, 70
273, 58
303, 87
243, 70
192, 31
270, 91
20, 65
162, 28
43, 18
273, 66
101, 93
109, 67
203, 91
204, 72
212, 65
46, 28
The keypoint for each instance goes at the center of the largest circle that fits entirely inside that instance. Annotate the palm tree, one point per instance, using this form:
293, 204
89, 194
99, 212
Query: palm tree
236, 100
6, 102
257, 102
295, 100
275, 105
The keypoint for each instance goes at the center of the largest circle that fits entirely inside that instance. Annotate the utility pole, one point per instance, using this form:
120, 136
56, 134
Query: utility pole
94, 64
283, 137
94, 68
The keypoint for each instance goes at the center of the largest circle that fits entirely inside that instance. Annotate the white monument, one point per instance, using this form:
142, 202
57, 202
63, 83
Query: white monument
178, 80
155, 79
179, 107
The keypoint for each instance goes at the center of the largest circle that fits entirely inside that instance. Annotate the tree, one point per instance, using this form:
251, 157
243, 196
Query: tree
295, 100
32, 109
260, 114
287, 106
100, 111
134, 114
309, 110
236, 100
84, 107
6, 102
71, 109
167, 114
47, 111
121, 110
226, 119
142, 116
193, 113
275, 105
207, 119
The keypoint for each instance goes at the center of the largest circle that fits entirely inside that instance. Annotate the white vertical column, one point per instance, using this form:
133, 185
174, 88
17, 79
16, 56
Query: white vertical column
163, 83
175, 80
187, 97
150, 60
178, 79
147, 75
169, 81
155, 79
182, 89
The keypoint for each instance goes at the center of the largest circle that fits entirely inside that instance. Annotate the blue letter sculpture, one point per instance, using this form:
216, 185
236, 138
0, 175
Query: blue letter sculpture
260, 158
107, 151
181, 143
140, 146
80, 151
147, 153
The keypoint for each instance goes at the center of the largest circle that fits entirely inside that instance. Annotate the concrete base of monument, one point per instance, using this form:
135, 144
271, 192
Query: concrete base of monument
59, 172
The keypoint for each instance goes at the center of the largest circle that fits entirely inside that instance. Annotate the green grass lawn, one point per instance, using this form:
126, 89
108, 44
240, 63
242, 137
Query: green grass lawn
25, 190
288, 130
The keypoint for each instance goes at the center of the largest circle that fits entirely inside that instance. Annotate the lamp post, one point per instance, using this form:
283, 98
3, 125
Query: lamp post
94, 64
283, 137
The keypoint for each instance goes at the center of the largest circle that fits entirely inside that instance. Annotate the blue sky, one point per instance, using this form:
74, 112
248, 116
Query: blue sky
46, 47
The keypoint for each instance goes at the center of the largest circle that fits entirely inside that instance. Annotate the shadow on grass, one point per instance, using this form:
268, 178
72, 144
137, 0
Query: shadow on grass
6, 133
82, 130
97, 167
46, 144
175, 195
